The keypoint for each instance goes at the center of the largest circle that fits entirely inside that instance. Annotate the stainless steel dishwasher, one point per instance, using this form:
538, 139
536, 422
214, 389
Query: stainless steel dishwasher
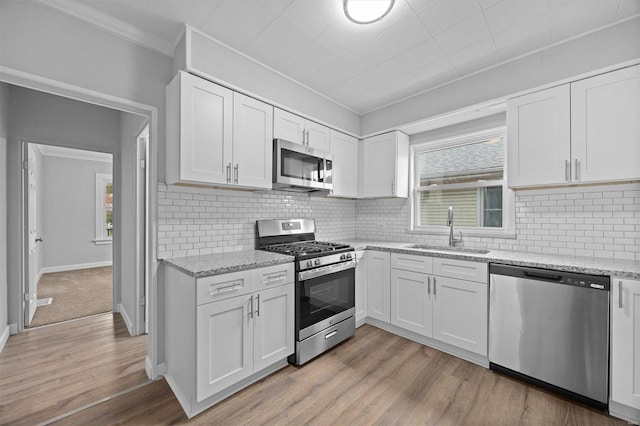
551, 329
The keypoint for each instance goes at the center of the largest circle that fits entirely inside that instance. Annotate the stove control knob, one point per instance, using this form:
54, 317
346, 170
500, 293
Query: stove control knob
317, 262
309, 263
343, 256
348, 255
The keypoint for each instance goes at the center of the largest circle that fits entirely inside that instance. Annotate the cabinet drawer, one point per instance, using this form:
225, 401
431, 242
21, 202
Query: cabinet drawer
412, 262
461, 269
224, 286
273, 276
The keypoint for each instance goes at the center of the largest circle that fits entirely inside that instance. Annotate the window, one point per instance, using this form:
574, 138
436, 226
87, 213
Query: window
104, 208
466, 173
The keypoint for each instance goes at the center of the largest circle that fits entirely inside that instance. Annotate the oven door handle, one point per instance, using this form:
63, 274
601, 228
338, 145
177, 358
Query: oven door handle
326, 270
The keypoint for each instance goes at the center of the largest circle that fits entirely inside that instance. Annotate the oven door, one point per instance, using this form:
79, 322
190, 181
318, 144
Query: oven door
323, 301
298, 165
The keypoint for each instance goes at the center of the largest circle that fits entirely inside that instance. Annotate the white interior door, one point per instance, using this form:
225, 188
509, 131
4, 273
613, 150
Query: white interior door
141, 247
31, 293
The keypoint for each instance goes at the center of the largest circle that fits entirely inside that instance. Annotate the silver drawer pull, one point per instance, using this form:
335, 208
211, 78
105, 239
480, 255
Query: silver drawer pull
434, 286
620, 294
330, 335
428, 285
228, 287
276, 277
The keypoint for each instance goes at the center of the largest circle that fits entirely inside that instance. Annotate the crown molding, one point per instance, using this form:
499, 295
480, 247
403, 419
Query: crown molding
116, 26
75, 154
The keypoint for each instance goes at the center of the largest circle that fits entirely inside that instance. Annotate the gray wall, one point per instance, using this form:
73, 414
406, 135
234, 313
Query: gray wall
69, 207
4, 124
40, 117
130, 127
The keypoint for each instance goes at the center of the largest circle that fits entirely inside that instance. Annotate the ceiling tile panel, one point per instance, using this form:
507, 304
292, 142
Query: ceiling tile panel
439, 69
402, 36
463, 34
308, 60
570, 18
628, 8
238, 22
277, 43
196, 13
488, 3
441, 15
427, 52
510, 13
475, 57
524, 38
314, 17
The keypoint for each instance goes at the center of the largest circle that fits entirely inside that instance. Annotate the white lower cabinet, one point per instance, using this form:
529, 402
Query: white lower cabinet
378, 285
439, 298
227, 331
361, 287
625, 349
411, 301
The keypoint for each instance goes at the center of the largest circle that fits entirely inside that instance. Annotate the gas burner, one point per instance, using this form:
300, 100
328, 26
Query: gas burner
304, 248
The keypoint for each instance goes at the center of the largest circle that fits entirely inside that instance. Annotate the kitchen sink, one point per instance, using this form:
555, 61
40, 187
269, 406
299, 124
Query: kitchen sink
449, 249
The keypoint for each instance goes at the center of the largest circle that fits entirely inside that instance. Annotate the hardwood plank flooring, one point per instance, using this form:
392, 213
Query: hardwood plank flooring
374, 378
49, 371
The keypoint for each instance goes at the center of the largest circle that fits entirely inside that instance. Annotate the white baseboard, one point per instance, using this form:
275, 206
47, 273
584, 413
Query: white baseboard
64, 268
125, 317
13, 328
4, 336
158, 372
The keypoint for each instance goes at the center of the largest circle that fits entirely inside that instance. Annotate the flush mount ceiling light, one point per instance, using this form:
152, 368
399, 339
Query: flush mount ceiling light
367, 11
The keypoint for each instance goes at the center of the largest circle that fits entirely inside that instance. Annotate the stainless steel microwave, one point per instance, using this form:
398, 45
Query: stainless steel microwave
300, 168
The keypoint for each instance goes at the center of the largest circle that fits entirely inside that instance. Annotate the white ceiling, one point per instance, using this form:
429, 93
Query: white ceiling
419, 45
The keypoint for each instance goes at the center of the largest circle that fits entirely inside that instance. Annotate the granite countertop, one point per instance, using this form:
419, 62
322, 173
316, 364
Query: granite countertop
222, 263
586, 265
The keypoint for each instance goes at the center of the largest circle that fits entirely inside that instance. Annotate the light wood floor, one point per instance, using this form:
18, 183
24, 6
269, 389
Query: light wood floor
52, 370
374, 378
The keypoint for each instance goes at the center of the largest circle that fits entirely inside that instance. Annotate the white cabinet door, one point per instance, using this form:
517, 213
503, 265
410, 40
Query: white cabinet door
385, 166
378, 285
288, 126
345, 165
318, 136
411, 301
224, 345
252, 142
460, 313
625, 342
539, 138
361, 286
605, 126
205, 130
273, 325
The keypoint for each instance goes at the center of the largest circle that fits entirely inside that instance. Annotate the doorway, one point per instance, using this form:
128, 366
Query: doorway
70, 233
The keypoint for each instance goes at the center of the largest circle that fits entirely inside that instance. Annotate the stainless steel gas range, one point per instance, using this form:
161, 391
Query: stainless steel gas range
324, 285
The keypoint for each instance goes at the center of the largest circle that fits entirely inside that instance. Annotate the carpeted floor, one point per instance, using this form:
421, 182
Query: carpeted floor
75, 294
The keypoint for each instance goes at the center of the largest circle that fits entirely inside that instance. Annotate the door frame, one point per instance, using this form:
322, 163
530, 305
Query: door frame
43, 84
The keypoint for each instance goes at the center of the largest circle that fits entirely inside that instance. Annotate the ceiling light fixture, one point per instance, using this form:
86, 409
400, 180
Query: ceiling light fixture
367, 11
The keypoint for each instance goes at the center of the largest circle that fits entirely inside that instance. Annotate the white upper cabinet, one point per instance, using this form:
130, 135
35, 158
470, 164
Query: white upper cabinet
252, 142
345, 165
587, 131
294, 128
199, 130
384, 170
216, 136
538, 137
605, 126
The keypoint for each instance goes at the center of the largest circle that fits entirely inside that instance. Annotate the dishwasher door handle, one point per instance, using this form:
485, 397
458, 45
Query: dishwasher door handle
539, 275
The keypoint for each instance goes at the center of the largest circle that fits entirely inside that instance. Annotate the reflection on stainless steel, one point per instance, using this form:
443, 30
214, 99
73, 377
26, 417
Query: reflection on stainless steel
325, 339
449, 249
552, 327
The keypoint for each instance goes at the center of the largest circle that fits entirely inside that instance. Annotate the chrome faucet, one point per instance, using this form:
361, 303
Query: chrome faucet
452, 240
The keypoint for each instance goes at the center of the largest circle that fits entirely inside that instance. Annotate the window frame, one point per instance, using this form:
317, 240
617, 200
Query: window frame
508, 198
101, 237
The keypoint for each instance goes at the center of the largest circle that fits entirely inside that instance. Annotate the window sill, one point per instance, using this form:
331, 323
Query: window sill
103, 241
481, 233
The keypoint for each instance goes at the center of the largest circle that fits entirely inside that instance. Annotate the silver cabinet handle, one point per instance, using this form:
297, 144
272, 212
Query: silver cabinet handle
330, 335
620, 294
229, 173
434, 286
258, 305
235, 174
577, 169
393, 188
304, 141
307, 138
251, 307
428, 285
567, 170
228, 287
